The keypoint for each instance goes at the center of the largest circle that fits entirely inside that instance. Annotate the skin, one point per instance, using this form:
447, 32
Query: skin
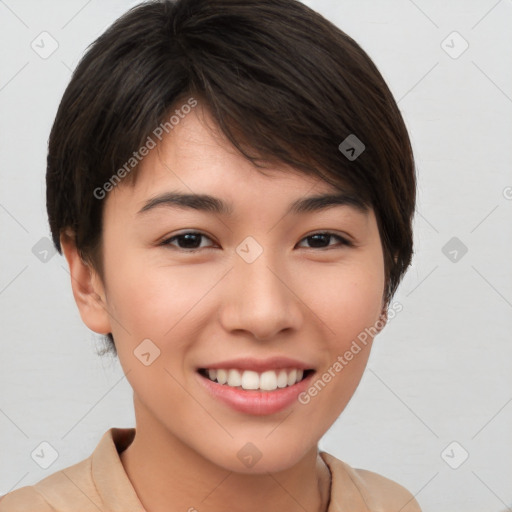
296, 299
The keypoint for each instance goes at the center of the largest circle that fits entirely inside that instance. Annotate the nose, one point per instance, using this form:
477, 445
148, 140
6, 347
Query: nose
260, 299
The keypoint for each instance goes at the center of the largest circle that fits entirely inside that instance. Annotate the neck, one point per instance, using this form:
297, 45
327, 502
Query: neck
169, 476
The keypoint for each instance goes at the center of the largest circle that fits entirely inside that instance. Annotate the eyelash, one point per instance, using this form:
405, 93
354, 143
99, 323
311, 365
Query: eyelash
343, 241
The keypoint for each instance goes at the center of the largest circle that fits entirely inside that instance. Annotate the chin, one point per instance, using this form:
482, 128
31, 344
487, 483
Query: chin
259, 457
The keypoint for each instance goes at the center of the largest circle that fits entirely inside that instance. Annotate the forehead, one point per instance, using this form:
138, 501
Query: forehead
195, 166
197, 147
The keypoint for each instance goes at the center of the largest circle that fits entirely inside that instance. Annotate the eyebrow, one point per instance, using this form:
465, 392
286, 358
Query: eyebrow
212, 204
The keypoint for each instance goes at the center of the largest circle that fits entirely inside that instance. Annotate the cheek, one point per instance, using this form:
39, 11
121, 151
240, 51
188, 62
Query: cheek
346, 299
155, 301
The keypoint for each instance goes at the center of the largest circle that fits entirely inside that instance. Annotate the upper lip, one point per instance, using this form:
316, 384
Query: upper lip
259, 365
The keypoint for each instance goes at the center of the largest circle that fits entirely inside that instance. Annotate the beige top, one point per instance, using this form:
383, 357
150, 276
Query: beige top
100, 483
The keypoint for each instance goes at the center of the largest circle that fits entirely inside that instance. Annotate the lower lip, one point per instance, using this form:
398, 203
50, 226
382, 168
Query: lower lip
255, 402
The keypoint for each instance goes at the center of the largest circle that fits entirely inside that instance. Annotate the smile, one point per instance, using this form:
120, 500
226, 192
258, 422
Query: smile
254, 392
269, 380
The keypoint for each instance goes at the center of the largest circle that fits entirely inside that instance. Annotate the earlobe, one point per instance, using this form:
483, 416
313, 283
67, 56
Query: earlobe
383, 319
87, 287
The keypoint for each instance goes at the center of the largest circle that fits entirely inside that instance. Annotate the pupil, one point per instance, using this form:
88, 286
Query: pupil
315, 239
190, 239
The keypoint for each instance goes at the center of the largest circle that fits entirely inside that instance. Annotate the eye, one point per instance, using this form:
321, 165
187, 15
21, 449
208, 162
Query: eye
318, 240
187, 241
190, 241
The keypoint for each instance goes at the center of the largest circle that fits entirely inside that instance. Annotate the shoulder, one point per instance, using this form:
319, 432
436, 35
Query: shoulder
58, 492
388, 494
25, 499
379, 493
97, 483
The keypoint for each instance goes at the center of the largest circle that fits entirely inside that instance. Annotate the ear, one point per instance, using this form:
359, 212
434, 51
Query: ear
383, 318
88, 289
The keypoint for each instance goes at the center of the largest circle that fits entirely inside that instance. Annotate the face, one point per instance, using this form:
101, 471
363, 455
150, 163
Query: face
257, 295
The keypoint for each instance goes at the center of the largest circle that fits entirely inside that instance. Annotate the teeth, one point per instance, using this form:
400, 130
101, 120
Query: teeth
248, 379
282, 379
292, 377
222, 376
234, 378
268, 381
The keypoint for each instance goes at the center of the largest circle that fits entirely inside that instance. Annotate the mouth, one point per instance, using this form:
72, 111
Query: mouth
257, 387
250, 380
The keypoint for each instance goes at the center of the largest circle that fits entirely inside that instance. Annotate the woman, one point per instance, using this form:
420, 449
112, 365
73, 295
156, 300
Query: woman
233, 186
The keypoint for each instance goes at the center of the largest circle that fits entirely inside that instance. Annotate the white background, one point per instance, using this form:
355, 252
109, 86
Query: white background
441, 371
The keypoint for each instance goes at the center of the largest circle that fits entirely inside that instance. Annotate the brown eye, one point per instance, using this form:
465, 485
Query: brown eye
189, 241
321, 240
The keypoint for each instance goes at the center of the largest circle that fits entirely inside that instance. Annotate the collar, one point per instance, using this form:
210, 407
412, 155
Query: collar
109, 476
118, 494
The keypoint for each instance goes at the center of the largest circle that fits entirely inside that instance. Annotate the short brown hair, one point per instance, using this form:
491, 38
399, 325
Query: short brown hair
284, 85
